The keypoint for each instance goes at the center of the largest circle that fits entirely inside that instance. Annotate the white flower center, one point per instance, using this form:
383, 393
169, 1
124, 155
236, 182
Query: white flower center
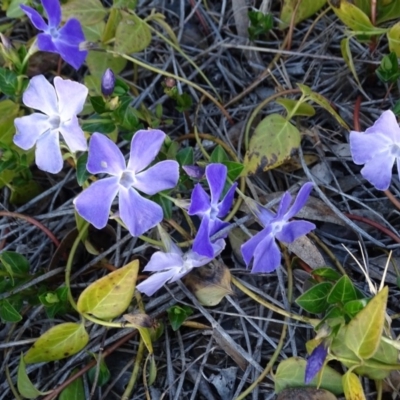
54, 121
187, 263
395, 150
53, 32
127, 179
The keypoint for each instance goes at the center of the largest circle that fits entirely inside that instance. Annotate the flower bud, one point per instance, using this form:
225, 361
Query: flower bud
108, 82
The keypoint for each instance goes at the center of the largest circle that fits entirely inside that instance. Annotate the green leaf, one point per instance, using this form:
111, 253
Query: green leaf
273, 142
89, 12
98, 104
302, 109
184, 102
110, 296
290, 374
323, 102
234, 169
99, 61
303, 10
394, 39
93, 32
104, 374
342, 292
352, 387
14, 10
365, 330
14, 263
260, 24
8, 111
131, 4
387, 10
152, 369
55, 303
219, 155
125, 116
75, 390
314, 299
177, 315
8, 82
388, 70
327, 273
8, 313
98, 124
185, 156
24, 384
165, 203
82, 174
356, 19
132, 34
352, 308
58, 342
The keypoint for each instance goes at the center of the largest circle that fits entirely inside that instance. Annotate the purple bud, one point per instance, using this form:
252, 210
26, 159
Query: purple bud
315, 363
108, 82
194, 171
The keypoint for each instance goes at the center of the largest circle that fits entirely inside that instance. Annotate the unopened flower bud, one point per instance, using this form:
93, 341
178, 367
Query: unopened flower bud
108, 82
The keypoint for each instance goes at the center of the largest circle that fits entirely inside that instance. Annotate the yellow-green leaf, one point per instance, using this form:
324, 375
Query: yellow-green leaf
303, 109
394, 39
110, 296
24, 384
348, 57
88, 12
132, 34
305, 9
58, 342
273, 142
352, 387
323, 102
356, 19
364, 331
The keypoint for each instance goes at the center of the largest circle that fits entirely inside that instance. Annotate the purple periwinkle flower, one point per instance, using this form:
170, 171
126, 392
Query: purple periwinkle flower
60, 105
194, 171
315, 363
262, 247
108, 82
210, 210
173, 265
138, 213
377, 148
64, 41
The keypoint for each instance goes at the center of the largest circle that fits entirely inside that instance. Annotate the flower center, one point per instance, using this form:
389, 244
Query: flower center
187, 263
54, 121
214, 212
54, 33
395, 150
127, 179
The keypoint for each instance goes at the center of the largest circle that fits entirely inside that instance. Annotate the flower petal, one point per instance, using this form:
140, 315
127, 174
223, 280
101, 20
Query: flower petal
145, 146
217, 225
315, 363
104, 156
155, 282
216, 177
378, 171
387, 125
71, 54
160, 261
364, 147
227, 201
29, 129
71, 97
283, 206
267, 256
139, 214
36, 19
197, 260
293, 230
200, 201
41, 96
248, 248
161, 176
48, 155
53, 11
202, 243
301, 200
94, 203
73, 135
45, 43
264, 215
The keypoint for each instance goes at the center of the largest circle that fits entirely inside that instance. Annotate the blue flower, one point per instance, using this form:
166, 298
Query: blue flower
315, 363
377, 148
262, 247
138, 213
210, 210
64, 41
